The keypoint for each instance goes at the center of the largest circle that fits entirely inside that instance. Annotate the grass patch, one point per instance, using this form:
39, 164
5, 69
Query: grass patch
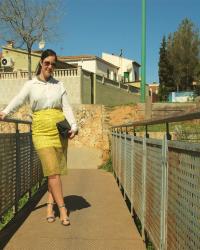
9, 214
107, 166
6, 218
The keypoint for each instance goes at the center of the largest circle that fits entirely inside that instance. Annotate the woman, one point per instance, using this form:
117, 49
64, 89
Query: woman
49, 104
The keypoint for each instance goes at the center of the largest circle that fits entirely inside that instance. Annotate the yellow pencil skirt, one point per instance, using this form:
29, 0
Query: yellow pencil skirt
51, 148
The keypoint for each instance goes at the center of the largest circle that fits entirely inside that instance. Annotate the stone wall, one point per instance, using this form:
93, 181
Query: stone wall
159, 110
95, 121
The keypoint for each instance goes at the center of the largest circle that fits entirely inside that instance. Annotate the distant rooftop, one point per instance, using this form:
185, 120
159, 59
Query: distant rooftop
84, 57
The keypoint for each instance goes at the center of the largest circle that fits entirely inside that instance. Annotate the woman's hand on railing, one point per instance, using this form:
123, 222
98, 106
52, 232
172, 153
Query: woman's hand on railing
2, 115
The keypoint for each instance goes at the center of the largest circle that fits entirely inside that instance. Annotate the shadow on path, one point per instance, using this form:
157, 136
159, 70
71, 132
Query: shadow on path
10, 229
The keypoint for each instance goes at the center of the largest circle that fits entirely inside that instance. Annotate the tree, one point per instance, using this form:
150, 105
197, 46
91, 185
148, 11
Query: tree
27, 21
165, 72
183, 54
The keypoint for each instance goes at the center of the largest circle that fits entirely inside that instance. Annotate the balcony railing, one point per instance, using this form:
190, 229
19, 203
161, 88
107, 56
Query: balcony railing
24, 74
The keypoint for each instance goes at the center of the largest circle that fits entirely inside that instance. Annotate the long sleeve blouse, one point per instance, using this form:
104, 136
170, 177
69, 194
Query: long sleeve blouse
44, 95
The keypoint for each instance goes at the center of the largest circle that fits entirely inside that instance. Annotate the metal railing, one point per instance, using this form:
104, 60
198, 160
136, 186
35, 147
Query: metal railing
161, 179
20, 169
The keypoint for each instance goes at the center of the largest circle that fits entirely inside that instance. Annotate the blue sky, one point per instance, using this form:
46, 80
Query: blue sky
96, 26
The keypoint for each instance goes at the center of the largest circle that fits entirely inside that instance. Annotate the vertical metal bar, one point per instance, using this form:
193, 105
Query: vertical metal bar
134, 131
18, 174
117, 154
120, 155
164, 197
115, 160
31, 163
146, 131
132, 171
167, 131
144, 161
143, 67
112, 150
125, 163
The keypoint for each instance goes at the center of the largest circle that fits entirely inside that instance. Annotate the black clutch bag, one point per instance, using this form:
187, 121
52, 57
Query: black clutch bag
63, 128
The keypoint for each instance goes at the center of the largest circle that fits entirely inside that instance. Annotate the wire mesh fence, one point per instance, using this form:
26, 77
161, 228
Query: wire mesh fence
20, 169
161, 179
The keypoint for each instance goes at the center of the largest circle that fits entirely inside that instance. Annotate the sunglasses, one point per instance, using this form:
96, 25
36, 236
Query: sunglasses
47, 63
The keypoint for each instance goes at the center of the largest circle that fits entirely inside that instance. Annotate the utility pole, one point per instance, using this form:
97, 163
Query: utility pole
143, 68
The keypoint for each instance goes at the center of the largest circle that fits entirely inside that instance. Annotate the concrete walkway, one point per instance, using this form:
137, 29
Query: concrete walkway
99, 217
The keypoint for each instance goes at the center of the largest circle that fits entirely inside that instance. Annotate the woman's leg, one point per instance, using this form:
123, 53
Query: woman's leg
50, 198
55, 185
50, 203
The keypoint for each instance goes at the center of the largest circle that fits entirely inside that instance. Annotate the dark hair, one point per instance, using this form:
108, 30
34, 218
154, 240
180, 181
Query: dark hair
45, 53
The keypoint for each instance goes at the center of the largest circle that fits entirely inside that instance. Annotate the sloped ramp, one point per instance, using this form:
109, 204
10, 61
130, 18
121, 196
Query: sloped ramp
84, 158
99, 218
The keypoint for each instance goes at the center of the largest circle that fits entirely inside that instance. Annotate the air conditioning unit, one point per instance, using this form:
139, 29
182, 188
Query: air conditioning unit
6, 62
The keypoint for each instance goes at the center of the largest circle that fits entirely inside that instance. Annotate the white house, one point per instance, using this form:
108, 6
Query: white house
128, 69
93, 64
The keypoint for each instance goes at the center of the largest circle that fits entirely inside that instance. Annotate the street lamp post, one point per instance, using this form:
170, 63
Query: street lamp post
143, 68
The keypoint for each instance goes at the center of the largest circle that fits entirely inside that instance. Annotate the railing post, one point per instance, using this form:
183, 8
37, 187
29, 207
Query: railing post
125, 163
31, 163
116, 152
132, 170
144, 164
167, 131
18, 174
134, 131
120, 155
113, 149
146, 131
164, 197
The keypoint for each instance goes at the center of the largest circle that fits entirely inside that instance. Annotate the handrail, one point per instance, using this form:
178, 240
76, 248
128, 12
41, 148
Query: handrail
11, 120
167, 119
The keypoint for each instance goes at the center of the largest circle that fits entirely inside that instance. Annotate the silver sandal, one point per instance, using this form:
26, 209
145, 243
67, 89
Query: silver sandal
51, 219
65, 221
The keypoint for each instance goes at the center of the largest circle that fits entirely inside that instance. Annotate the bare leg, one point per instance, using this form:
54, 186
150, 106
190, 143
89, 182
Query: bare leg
50, 202
50, 198
55, 185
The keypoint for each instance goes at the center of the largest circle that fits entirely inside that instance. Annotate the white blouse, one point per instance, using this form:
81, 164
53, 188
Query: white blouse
44, 95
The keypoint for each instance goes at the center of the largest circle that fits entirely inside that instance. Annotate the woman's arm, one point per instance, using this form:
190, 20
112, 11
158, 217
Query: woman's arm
18, 99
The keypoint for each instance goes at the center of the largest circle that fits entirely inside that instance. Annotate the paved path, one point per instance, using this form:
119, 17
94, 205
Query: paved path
84, 157
100, 219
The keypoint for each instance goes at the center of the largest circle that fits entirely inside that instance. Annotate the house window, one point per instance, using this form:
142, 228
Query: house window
126, 76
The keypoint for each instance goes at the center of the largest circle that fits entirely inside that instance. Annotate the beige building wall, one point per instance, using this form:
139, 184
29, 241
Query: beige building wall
10, 88
124, 64
20, 58
81, 88
106, 70
89, 65
86, 87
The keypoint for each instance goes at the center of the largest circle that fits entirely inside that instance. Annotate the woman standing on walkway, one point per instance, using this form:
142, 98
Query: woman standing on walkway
49, 104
